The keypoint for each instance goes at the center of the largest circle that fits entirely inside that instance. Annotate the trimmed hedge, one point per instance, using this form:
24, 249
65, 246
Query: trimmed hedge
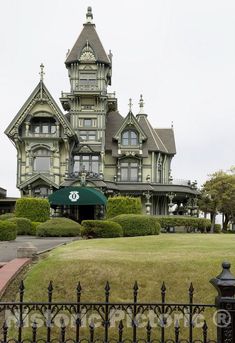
7, 216
101, 229
123, 205
34, 227
190, 223
35, 209
58, 227
24, 226
8, 230
138, 224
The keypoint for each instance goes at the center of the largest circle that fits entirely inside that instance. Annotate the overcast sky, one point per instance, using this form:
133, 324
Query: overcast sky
180, 54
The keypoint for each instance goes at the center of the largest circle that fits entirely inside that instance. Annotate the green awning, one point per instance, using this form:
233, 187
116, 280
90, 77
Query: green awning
77, 196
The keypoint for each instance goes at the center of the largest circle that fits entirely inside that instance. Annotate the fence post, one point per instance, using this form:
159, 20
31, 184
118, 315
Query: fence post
225, 303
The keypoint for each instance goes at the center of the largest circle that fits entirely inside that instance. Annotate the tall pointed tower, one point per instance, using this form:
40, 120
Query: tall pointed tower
87, 103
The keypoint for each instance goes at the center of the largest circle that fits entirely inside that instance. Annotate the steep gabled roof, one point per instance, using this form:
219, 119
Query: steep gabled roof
88, 35
130, 120
157, 139
38, 177
168, 139
154, 141
39, 95
113, 123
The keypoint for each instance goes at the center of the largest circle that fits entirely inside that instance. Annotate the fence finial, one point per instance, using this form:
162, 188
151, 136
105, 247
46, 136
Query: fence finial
225, 281
79, 287
135, 291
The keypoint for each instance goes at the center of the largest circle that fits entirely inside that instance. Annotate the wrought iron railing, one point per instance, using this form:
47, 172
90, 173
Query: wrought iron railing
119, 322
139, 321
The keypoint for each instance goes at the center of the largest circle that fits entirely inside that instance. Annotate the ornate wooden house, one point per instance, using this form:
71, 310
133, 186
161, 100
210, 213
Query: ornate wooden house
92, 143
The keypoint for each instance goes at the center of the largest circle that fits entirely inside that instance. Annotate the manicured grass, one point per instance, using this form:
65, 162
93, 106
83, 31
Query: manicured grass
177, 259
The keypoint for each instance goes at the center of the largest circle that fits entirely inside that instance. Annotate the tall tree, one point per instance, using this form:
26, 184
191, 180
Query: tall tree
218, 195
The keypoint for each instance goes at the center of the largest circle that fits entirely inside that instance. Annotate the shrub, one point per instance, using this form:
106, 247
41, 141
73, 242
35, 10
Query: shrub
34, 227
190, 223
7, 216
217, 228
58, 227
101, 229
8, 230
35, 209
204, 225
138, 224
23, 225
122, 205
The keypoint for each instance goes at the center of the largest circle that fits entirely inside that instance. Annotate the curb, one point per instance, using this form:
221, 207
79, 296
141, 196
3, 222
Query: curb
57, 246
10, 270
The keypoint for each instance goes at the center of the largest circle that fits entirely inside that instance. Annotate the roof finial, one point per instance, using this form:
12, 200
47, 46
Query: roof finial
41, 72
110, 55
130, 105
172, 124
89, 15
141, 103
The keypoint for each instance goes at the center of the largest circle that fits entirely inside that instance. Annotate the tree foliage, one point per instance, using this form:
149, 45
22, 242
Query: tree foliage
218, 196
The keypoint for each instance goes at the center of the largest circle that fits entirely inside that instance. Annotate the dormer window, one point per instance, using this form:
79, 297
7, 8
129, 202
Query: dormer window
43, 126
129, 138
87, 54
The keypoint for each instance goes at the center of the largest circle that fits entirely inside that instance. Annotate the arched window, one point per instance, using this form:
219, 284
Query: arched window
129, 137
42, 160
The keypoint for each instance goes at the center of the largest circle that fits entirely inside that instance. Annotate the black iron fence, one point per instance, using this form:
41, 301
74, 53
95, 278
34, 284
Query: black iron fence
131, 322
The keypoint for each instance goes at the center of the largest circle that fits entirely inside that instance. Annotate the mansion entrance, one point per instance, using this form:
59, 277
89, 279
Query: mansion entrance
78, 203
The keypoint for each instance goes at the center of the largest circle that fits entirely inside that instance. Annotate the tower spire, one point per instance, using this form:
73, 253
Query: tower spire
89, 15
41, 72
41, 80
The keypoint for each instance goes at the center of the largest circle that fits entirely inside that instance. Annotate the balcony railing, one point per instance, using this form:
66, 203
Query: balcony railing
42, 135
181, 182
87, 86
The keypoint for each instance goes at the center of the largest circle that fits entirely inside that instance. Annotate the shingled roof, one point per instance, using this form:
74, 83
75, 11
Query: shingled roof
89, 35
157, 139
113, 123
154, 141
168, 139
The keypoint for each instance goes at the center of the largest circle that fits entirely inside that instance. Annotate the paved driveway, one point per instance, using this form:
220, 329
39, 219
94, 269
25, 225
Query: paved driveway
8, 250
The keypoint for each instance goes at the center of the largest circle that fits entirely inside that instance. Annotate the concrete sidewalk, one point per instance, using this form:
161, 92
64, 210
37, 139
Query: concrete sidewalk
8, 250
10, 270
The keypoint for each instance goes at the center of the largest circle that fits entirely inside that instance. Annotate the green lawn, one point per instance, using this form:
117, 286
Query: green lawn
176, 259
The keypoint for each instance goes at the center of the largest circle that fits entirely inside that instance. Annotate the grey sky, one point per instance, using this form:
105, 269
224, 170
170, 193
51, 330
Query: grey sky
180, 54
